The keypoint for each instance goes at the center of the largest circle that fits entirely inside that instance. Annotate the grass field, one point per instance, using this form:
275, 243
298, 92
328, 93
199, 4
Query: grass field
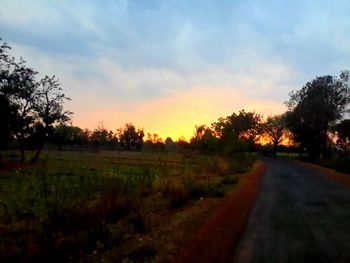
119, 207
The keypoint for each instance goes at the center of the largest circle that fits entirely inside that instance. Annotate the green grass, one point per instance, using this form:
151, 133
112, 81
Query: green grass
72, 204
284, 155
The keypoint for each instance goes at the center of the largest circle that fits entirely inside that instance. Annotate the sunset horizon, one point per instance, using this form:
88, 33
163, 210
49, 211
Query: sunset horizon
169, 66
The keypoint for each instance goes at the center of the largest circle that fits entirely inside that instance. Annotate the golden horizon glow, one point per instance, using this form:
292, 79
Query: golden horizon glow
176, 115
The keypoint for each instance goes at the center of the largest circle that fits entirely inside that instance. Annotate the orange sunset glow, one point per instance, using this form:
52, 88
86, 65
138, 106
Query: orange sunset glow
165, 70
176, 116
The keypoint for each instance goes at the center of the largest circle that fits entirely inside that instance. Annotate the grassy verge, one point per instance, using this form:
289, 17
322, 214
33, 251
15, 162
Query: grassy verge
117, 207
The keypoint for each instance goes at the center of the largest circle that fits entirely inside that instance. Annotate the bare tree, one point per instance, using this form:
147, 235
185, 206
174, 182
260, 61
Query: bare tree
48, 106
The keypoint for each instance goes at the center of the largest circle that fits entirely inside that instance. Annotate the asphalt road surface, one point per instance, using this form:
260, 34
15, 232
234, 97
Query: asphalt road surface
299, 216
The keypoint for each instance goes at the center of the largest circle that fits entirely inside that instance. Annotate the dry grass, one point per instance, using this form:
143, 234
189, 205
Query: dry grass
132, 207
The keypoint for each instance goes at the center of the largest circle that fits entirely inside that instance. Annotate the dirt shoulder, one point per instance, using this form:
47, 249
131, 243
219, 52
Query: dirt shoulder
217, 239
330, 173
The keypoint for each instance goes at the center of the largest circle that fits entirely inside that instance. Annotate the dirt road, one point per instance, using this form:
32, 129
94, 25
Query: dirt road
300, 216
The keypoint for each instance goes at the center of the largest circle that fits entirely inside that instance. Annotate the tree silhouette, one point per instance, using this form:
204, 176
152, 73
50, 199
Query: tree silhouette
237, 132
315, 108
18, 85
69, 135
48, 107
275, 128
204, 139
342, 131
130, 137
8, 118
39, 104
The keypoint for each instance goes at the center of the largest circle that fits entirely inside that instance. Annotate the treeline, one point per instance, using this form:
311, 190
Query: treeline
127, 138
32, 115
316, 123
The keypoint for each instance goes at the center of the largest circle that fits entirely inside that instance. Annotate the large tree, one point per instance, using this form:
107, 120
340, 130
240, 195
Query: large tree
315, 108
39, 104
18, 85
237, 132
48, 110
275, 129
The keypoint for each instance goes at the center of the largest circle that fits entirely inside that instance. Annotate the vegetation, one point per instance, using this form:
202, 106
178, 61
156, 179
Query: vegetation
117, 196
82, 205
275, 129
315, 109
31, 107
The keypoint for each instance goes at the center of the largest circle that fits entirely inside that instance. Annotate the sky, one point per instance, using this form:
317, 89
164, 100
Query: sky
169, 65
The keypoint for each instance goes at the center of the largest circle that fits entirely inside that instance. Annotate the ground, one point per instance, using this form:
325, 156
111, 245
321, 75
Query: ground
110, 206
300, 216
142, 207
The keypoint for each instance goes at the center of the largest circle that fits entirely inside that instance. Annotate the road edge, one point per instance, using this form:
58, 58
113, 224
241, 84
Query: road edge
217, 239
331, 174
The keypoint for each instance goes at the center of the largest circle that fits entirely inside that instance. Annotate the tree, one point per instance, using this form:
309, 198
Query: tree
204, 139
69, 135
39, 104
102, 138
48, 107
154, 138
237, 132
18, 85
130, 137
274, 129
342, 131
315, 108
8, 118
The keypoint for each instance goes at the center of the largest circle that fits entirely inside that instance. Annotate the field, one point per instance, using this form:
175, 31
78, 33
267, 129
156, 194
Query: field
110, 206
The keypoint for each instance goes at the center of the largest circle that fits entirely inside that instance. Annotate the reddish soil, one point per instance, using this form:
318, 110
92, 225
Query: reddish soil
331, 174
217, 239
8, 166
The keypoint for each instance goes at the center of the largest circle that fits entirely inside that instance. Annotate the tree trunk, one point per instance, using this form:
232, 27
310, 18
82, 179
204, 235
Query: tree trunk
275, 148
37, 153
21, 160
2, 165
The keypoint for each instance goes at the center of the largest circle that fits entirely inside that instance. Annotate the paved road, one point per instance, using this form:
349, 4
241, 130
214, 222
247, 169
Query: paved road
299, 217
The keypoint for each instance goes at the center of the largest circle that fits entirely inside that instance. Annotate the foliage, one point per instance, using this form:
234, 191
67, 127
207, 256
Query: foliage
204, 139
315, 108
39, 103
233, 134
8, 118
102, 138
275, 129
342, 131
69, 135
131, 138
73, 204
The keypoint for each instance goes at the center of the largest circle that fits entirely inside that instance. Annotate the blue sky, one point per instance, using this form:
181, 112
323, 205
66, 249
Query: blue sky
168, 65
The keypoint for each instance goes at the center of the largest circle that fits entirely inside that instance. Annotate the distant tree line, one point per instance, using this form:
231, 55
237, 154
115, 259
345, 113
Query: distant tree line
32, 115
235, 133
126, 138
315, 122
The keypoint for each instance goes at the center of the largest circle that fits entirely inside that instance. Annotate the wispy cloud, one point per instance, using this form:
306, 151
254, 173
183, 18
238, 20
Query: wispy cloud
127, 57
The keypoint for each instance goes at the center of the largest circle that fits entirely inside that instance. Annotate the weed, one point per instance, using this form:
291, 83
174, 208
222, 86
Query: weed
73, 204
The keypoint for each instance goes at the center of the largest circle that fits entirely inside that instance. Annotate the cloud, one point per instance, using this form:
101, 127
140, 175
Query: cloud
129, 59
